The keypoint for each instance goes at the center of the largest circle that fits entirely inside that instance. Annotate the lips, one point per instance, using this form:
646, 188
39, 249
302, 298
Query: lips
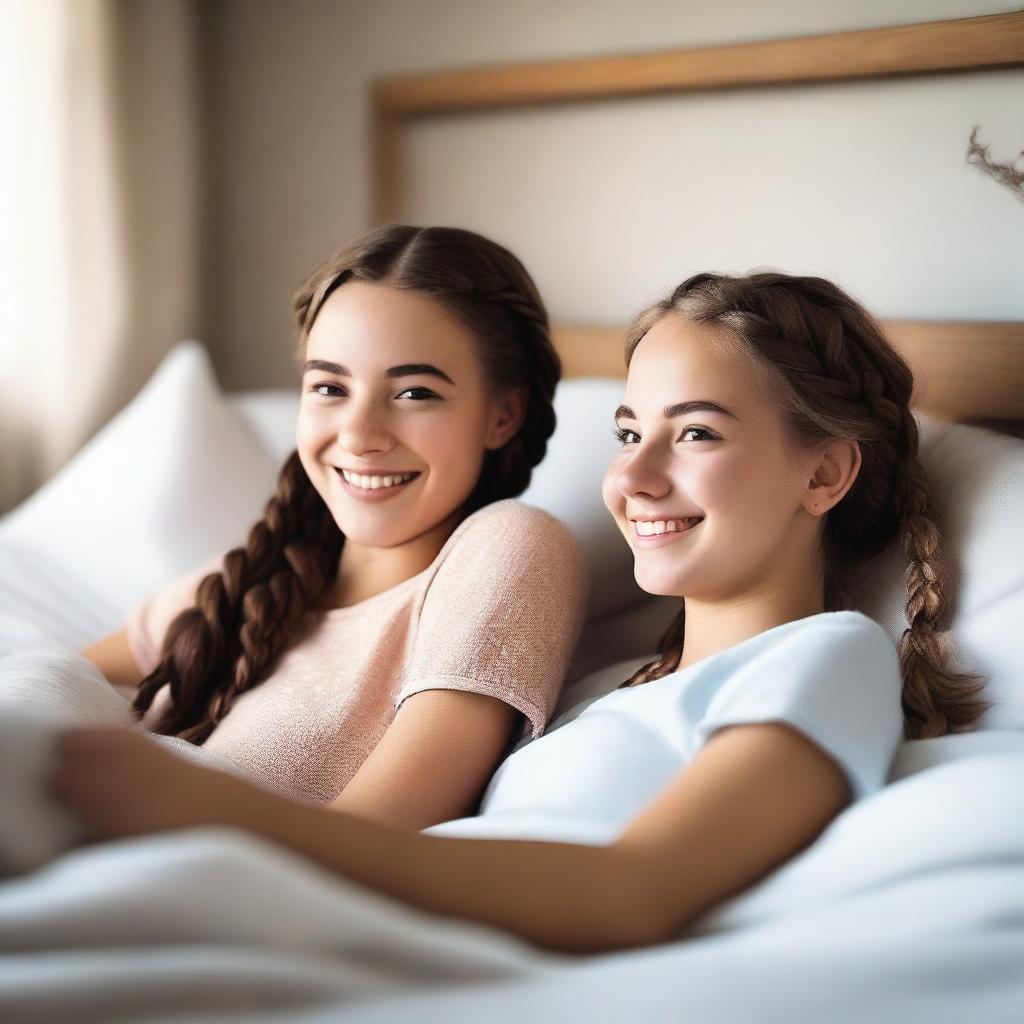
650, 527
376, 480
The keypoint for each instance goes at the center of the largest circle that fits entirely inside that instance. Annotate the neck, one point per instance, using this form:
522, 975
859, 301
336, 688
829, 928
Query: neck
791, 587
711, 627
364, 572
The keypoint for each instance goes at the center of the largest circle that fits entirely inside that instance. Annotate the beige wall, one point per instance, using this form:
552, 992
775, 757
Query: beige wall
607, 203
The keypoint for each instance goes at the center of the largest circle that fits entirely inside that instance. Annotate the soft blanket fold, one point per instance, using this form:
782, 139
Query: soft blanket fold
42, 692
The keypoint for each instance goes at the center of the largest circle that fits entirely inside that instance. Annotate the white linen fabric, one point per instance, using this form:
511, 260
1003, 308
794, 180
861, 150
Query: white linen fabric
909, 907
40, 693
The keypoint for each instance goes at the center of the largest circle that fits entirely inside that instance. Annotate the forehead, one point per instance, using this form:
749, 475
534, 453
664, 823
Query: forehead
369, 324
678, 361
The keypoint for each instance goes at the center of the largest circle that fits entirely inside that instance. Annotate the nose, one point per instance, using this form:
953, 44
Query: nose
643, 476
363, 429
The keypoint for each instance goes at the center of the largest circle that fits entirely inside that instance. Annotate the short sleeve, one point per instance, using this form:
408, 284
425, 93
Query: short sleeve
147, 621
503, 612
837, 680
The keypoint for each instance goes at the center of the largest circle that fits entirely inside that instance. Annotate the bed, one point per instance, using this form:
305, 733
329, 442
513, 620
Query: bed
910, 906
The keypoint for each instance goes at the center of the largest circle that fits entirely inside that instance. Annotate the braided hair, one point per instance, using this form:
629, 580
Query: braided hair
247, 614
833, 374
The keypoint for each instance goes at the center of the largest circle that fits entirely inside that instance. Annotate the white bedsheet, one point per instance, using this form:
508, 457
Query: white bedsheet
910, 907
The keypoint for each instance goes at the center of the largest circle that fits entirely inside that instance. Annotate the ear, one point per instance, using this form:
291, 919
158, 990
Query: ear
505, 417
833, 474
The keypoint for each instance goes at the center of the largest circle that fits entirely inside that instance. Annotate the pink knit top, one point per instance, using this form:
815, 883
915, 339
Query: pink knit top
497, 612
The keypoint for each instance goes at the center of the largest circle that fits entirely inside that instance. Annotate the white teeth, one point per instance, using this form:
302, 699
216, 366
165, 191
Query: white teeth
373, 483
660, 526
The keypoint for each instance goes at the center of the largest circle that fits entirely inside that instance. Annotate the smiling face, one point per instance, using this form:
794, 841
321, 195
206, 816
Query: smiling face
709, 499
395, 414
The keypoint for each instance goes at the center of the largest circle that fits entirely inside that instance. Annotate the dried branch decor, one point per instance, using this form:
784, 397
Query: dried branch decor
1006, 174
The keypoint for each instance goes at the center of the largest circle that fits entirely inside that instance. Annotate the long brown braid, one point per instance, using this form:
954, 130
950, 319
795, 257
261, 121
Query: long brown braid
246, 615
834, 375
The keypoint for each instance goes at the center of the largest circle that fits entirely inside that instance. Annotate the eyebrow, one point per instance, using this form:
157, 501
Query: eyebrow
405, 370
681, 409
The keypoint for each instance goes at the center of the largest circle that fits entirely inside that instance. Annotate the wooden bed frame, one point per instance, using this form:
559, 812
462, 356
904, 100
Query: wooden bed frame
969, 372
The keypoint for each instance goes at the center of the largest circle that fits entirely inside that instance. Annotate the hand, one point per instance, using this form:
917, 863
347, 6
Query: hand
119, 783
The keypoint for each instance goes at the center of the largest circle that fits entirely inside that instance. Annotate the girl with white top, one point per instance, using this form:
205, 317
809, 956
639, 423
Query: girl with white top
767, 450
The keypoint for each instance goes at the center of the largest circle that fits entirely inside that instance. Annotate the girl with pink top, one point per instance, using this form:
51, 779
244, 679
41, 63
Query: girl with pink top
394, 617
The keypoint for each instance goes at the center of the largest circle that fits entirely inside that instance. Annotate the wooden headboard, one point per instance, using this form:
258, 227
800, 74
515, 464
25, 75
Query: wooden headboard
971, 372
966, 371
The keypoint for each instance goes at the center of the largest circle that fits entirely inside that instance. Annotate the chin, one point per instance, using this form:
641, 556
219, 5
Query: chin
660, 584
368, 537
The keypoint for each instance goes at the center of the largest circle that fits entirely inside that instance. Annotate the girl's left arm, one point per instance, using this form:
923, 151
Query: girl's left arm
752, 797
494, 634
433, 761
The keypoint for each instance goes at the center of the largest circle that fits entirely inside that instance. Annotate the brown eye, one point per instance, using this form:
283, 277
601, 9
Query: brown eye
708, 436
315, 390
418, 394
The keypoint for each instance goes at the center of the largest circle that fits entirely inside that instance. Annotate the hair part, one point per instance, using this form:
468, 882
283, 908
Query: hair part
246, 615
833, 374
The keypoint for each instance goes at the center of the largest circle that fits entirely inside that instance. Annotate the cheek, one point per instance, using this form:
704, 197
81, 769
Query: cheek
610, 493
447, 443
309, 429
723, 484
430, 437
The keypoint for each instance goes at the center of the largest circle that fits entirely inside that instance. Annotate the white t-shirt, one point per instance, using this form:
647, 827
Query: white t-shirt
833, 676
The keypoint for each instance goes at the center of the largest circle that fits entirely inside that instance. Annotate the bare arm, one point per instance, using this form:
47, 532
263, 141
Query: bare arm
434, 760
113, 658
754, 796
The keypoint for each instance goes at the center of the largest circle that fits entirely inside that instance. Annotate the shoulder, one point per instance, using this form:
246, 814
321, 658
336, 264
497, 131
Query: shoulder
517, 518
835, 657
522, 530
510, 545
848, 640
834, 676
849, 631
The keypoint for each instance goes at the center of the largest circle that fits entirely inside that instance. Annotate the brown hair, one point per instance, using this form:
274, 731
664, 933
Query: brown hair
244, 615
833, 374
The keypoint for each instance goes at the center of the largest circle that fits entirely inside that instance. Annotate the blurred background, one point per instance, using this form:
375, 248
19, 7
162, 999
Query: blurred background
174, 168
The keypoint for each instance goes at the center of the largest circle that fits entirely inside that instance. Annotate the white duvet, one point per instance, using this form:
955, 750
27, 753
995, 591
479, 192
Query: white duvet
910, 907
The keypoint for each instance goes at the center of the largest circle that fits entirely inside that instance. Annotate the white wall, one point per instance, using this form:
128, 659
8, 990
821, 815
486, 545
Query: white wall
607, 203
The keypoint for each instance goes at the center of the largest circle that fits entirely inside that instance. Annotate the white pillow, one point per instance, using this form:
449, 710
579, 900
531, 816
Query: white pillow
176, 477
272, 414
976, 480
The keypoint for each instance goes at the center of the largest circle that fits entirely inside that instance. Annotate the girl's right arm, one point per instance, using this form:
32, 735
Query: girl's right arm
113, 657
